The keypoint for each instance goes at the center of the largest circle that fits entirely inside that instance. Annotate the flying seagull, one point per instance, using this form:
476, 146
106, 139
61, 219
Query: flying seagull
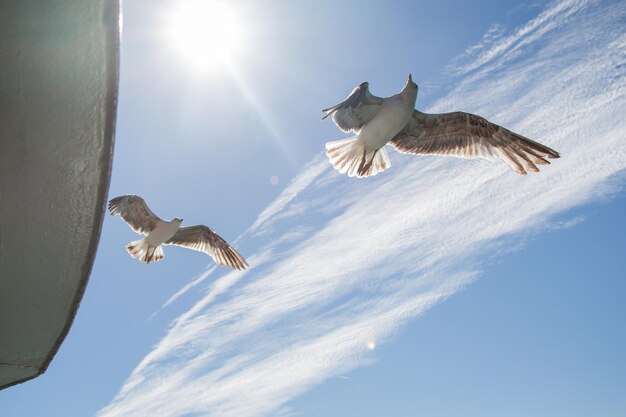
135, 212
394, 120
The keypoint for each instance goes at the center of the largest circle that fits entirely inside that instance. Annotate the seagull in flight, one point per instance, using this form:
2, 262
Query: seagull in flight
394, 120
135, 212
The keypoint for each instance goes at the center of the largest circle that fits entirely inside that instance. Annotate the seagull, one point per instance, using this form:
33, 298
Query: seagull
135, 212
394, 120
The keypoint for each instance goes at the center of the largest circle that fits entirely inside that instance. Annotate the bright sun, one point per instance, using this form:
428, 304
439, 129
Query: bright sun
208, 33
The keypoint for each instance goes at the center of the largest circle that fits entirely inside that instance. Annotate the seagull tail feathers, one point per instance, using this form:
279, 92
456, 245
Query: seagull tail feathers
350, 157
146, 253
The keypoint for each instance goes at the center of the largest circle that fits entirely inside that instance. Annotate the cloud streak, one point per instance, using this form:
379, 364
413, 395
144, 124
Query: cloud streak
341, 263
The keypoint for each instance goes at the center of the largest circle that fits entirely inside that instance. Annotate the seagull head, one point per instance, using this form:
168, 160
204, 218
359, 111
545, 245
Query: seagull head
409, 82
410, 86
179, 221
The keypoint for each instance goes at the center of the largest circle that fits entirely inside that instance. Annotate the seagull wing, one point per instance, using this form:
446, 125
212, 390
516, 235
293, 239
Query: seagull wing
203, 239
466, 135
356, 110
135, 212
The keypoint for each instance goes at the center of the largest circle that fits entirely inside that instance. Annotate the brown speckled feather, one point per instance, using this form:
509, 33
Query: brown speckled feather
135, 212
356, 110
203, 239
466, 135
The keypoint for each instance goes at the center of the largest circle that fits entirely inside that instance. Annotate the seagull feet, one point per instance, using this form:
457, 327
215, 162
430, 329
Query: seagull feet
363, 167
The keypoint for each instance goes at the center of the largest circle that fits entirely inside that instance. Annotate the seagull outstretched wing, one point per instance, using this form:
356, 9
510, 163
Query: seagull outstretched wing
135, 212
356, 110
466, 135
203, 239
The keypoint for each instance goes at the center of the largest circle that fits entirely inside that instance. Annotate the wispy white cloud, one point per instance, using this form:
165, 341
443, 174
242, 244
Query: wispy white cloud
194, 282
467, 60
311, 172
341, 262
567, 223
495, 49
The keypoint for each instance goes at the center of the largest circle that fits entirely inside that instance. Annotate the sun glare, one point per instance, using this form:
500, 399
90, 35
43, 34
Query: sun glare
208, 33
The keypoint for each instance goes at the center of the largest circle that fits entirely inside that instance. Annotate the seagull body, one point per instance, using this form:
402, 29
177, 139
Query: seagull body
393, 115
163, 231
394, 120
135, 212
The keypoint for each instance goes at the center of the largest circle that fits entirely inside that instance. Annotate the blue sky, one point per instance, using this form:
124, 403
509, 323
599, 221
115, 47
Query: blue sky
440, 287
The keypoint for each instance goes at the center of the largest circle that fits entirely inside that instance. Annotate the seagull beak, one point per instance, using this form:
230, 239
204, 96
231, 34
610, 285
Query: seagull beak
410, 77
